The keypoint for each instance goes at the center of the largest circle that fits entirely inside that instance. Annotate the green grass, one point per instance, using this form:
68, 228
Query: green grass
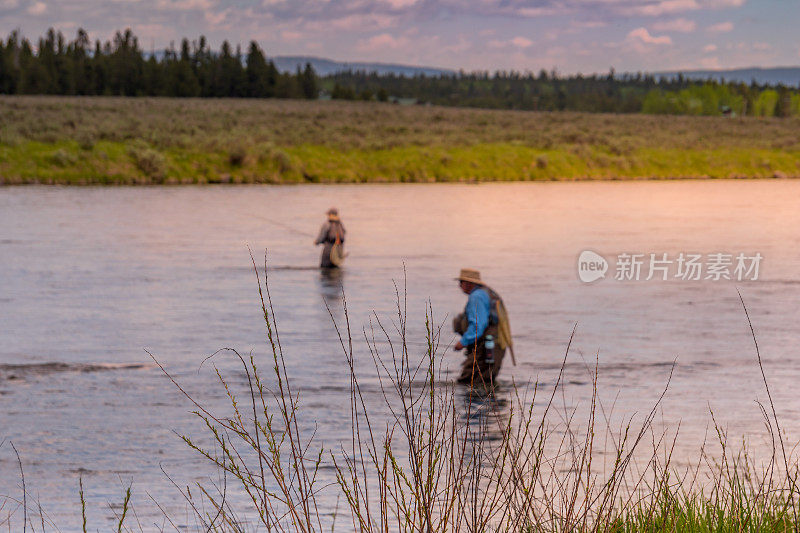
82, 141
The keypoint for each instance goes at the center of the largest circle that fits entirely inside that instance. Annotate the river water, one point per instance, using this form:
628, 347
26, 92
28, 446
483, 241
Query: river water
93, 277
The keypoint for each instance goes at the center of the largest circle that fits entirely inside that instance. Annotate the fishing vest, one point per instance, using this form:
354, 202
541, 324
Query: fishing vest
460, 322
499, 325
335, 231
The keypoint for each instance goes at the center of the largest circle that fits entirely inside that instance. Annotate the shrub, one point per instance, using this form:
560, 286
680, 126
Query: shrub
237, 155
151, 162
86, 140
282, 160
541, 162
62, 158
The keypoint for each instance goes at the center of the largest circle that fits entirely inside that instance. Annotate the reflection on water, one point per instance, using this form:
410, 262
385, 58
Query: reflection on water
331, 284
485, 411
93, 276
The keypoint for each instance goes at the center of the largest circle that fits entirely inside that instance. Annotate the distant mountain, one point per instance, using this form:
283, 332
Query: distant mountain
772, 76
324, 67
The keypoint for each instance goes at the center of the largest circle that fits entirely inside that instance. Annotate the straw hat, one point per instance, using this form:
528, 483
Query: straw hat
471, 275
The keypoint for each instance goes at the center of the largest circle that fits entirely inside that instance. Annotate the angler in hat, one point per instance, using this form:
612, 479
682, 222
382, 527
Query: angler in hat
331, 235
484, 329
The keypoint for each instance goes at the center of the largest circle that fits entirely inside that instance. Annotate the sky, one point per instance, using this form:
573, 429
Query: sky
571, 36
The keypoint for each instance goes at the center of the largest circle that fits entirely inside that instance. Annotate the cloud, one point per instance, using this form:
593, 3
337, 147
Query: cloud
400, 4
521, 42
710, 63
722, 27
589, 24
185, 5
462, 44
666, 7
37, 8
516, 42
8, 4
710, 48
680, 25
291, 35
596, 13
532, 12
382, 41
354, 22
642, 35
724, 3
215, 19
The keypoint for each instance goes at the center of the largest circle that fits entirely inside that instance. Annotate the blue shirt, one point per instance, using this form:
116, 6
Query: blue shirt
477, 312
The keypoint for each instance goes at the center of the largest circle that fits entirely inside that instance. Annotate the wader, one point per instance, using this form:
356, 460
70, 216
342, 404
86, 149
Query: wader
330, 233
475, 370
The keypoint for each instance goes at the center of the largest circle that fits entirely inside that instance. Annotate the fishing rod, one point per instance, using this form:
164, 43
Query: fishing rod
284, 226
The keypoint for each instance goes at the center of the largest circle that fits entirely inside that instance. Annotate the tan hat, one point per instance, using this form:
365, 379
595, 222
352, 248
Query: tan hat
471, 275
333, 211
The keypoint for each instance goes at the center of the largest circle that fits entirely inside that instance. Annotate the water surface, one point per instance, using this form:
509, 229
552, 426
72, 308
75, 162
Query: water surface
93, 277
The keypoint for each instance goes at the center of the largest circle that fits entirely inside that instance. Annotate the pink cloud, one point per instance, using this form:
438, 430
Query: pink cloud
185, 5
667, 6
722, 27
291, 35
399, 4
710, 63
521, 42
532, 12
356, 22
680, 25
723, 3
642, 35
37, 8
589, 24
215, 19
384, 40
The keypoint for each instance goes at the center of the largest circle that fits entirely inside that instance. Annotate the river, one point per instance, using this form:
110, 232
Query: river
93, 277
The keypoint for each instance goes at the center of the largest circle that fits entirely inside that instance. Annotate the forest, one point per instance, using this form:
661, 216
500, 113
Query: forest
119, 67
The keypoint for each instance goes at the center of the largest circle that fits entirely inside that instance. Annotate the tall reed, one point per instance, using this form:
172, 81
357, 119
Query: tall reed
448, 458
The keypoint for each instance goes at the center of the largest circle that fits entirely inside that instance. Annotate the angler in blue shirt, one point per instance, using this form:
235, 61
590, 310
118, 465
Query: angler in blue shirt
483, 359
476, 312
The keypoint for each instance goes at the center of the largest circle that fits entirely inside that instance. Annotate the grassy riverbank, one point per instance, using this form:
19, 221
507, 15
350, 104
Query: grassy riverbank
81, 141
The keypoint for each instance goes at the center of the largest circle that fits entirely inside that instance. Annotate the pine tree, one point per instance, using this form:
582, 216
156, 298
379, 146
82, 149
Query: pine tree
261, 76
308, 82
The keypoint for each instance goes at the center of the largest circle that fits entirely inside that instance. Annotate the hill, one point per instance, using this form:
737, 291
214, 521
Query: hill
770, 76
325, 67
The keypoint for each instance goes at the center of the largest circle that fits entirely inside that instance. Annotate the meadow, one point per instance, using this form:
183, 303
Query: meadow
143, 141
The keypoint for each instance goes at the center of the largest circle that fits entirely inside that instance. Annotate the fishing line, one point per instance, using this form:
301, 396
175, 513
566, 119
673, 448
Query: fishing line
284, 226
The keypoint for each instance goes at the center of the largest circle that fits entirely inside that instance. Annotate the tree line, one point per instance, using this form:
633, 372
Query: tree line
547, 91
120, 67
